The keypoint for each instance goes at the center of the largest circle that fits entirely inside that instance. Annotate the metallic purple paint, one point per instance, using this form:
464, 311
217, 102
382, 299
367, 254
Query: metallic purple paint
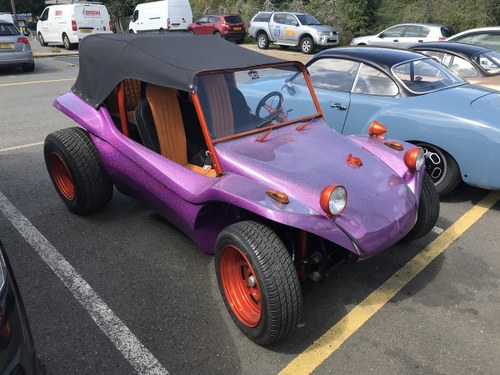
381, 208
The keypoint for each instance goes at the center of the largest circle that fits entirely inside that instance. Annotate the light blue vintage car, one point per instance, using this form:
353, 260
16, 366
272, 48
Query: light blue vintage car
417, 100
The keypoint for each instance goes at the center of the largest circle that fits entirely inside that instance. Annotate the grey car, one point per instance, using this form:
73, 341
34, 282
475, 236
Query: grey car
15, 49
404, 35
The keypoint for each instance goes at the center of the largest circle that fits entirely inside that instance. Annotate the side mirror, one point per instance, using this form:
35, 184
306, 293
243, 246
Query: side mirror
296, 24
381, 35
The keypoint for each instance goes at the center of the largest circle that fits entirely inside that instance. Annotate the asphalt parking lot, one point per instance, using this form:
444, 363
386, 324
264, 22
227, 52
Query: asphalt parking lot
379, 316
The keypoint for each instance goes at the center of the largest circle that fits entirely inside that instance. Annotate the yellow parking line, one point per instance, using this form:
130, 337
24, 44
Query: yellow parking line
36, 82
326, 345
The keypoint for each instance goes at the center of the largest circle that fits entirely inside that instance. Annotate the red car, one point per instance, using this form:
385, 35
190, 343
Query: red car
223, 25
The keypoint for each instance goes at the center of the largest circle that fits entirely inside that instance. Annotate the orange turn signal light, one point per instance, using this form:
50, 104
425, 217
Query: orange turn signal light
377, 129
278, 195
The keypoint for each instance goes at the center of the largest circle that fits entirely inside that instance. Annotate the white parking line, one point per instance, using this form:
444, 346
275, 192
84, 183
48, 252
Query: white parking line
118, 333
21, 147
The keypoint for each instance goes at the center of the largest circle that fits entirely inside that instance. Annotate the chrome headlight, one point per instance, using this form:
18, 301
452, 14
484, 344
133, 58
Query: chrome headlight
333, 199
414, 159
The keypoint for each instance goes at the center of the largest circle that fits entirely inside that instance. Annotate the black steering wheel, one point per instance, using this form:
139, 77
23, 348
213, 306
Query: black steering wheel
274, 111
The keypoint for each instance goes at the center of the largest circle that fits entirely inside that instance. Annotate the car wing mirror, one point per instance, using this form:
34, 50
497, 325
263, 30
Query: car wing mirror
381, 35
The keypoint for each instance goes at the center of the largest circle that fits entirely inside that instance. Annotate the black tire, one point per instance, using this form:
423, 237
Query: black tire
29, 68
262, 40
218, 34
41, 40
275, 277
131, 31
442, 168
428, 210
67, 44
76, 170
190, 31
307, 45
240, 41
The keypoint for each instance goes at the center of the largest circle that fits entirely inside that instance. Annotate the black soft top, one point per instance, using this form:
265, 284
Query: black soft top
170, 60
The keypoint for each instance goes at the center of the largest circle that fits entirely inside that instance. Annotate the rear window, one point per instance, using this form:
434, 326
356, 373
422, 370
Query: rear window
446, 31
262, 17
7, 29
233, 19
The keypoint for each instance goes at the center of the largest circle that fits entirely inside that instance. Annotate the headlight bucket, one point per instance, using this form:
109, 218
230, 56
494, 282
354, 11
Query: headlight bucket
333, 200
414, 159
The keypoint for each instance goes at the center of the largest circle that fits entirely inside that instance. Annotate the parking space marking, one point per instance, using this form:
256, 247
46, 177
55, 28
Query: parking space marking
118, 333
14, 148
326, 345
36, 82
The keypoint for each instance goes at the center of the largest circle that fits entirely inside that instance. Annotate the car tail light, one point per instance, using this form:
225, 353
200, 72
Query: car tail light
110, 26
377, 129
74, 26
168, 23
23, 40
414, 159
333, 200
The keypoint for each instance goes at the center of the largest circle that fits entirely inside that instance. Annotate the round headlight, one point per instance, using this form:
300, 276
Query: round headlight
414, 159
333, 199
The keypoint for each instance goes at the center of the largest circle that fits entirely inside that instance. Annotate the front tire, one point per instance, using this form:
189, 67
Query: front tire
428, 210
29, 68
258, 281
442, 168
41, 40
76, 170
307, 45
262, 41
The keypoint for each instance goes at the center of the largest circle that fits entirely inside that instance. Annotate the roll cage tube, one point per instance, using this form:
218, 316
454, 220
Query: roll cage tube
120, 92
203, 123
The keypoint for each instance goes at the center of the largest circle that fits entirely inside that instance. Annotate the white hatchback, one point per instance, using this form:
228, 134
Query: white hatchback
405, 35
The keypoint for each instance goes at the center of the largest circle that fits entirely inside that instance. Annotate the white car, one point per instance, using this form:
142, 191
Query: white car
488, 37
405, 35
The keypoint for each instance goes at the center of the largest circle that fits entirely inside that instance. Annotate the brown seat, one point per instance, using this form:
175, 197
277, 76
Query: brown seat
132, 93
167, 117
219, 105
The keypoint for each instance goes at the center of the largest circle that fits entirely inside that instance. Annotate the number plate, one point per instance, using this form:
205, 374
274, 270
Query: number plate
86, 31
236, 28
6, 45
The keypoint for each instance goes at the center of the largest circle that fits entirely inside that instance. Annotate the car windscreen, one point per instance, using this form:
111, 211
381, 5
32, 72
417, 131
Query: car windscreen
233, 19
307, 19
8, 29
425, 75
489, 61
242, 102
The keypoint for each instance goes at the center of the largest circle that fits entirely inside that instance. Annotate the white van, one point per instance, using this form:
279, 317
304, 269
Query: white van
67, 24
7, 17
167, 15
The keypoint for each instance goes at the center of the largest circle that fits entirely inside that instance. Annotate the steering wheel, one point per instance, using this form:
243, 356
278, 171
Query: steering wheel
274, 111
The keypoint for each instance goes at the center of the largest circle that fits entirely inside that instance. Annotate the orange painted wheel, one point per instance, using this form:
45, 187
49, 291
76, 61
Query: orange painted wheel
240, 286
258, 281
62, 177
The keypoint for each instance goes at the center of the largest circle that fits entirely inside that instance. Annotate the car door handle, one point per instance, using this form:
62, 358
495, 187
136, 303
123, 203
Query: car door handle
338, 106
420, 40
396, 40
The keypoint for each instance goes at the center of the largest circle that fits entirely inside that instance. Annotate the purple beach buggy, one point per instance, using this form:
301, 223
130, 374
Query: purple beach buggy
215, 138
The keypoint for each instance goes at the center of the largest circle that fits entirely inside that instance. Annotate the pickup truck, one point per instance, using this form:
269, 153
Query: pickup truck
291, 29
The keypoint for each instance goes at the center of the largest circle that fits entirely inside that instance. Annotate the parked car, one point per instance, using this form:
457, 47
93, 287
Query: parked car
17, 349
291, 29
476, 64
166, 15
418, 100
223, 25
488, 37
68, 24
15, 49
404, 35
244, 166
6, 17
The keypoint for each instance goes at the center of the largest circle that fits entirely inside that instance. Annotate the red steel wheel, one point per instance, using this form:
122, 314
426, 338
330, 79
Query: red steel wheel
62, 177
240, 286
258, 281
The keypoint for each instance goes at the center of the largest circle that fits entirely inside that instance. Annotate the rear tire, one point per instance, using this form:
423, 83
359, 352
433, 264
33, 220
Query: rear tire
258, 281
428, 210
29, 68
76, 170
262, 41
67, 44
